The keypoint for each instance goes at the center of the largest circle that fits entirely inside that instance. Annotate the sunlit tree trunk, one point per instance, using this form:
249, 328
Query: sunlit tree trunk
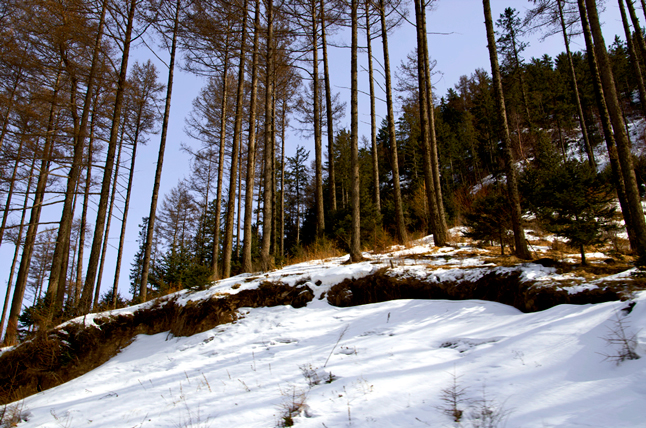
624, 150
355, 240
392, 133
330, 121
160, 161
521, 250
247, 263
436, 227
577, 98
376, 197
95, 252
11, 337
227, 246
265, 257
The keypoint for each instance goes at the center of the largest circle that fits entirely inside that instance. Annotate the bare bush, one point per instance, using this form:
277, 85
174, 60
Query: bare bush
624, 344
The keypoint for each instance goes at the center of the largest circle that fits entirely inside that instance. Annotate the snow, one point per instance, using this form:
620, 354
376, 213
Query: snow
389, 362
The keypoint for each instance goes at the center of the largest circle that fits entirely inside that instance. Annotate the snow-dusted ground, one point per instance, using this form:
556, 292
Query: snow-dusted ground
390, 361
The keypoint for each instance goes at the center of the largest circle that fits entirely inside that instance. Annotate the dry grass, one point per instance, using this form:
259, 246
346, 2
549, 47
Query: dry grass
323, 249
506, 288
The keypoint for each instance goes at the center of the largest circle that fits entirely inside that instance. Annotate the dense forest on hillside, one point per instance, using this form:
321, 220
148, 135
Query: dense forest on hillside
546, 140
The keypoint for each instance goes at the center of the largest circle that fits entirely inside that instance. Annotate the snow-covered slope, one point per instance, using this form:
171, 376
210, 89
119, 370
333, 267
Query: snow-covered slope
390, 364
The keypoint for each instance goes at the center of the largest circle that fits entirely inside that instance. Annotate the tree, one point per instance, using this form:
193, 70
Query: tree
439, 235
162, 149
142, 105
577, 203
510, 169
392, 134
355, 245
621, 137
296, 178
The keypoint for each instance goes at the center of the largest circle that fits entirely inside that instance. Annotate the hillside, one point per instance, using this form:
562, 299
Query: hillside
394, 363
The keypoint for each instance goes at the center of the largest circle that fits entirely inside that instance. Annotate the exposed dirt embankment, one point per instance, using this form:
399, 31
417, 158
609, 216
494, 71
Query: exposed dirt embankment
496, 286
69, 352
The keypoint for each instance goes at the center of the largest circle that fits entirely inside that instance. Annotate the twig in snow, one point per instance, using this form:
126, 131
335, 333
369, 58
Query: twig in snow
335, 345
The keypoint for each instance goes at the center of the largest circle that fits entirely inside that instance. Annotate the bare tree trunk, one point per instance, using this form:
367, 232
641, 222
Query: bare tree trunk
160, 162
11, 337
80, 134
122, 237
318, 162
330, 119
634, 59
639, 34
265, 257
104, 250
86, 198
436, 228
247, 263
238, 241
21, 228
621, 137
521, 250
584, 130
392, 133
606, 125
223, 134
376, 197
95, 252
355, 243
282, 180
237, 136
435, 163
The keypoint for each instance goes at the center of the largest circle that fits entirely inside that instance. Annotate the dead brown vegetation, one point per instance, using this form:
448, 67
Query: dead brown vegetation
496, 286
65, 353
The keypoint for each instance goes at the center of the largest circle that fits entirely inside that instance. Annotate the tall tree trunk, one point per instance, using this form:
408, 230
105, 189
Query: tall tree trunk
122, 236
223, 135
11, 337
282, 180
639, 34
355, 240
584, 130
104, 250
21, 228
65, 227
237, 136
392, 133
621, 137
330, 118
318, 153
606, 125
438, 237
435, 163
95, 252
521, 250
86, 198
634, 58
160, 162
5, 120
247, 263
376, 197
265, 257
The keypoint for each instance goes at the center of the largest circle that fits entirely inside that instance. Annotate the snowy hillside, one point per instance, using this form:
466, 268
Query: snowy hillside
390, 364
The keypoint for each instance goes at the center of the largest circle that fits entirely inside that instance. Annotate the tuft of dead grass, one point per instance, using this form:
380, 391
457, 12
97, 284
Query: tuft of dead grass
322, 249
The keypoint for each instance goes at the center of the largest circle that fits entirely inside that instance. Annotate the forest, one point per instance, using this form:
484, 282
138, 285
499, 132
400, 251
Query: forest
547, 141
